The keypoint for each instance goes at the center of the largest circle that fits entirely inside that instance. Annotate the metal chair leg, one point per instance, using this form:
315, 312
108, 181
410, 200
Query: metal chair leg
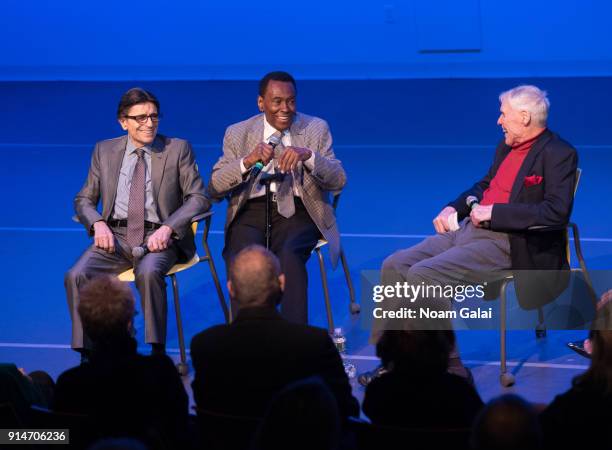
354, 307
182, 367
506, 379
226, 312
540, 330
330, 320
583, 268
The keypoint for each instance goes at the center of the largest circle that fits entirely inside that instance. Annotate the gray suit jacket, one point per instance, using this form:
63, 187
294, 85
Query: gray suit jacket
316, 185
177, 187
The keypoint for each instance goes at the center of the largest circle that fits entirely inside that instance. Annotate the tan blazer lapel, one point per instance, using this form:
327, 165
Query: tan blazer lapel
297, 140
254, 136
158, 163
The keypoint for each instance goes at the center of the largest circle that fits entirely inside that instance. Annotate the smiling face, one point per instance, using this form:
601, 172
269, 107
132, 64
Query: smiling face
514, 123
278, 104
141, 133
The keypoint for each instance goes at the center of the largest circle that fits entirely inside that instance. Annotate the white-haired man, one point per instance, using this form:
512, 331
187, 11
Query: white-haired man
530, 184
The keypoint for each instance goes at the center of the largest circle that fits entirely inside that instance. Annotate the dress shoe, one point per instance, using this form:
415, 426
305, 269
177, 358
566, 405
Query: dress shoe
366, 378
85, 355
578, 347
158, 349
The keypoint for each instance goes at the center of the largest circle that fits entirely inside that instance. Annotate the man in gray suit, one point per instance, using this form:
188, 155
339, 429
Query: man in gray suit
150, 190
301, 208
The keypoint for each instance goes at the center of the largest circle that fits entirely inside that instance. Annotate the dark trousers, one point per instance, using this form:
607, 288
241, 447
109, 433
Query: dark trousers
292, 241
150, 274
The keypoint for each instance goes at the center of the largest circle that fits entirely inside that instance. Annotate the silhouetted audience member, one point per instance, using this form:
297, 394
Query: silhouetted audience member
303, 416
125, 393
118, 444
417, 391
23, 390
581, 417
507, 423
241, 366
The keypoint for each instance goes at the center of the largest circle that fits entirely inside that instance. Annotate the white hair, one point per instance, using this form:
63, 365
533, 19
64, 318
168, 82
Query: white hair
528, 98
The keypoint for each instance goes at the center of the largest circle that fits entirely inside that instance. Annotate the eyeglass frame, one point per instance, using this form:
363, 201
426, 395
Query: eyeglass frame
141, 119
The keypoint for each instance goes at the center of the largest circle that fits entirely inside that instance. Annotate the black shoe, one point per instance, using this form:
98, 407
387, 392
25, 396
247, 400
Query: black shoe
158, 349
85, 355
366, 377
578, 347
456, 367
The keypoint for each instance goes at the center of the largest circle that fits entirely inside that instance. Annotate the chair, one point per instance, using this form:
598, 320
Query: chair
507, 379
128, 276
369, 436
83, 431
354, 307
9, 417
220, 431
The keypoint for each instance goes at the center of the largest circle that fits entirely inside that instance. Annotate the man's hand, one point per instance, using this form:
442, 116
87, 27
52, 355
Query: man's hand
262, 152
103, 237
440, 222
481, 214
291, 156
160, 239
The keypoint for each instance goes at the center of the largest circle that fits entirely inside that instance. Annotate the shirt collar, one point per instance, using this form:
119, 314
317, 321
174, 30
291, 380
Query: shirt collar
131, 147
269, 130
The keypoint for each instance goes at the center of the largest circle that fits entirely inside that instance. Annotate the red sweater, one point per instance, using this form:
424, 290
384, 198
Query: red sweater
501, 185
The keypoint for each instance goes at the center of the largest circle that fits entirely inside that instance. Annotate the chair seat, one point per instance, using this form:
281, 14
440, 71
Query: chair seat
320, 243
128, 275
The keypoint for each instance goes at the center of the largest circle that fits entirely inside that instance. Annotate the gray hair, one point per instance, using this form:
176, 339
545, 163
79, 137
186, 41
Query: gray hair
528, 98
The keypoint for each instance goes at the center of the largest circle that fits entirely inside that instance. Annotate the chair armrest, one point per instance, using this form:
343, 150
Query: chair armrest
545, 228
201, 217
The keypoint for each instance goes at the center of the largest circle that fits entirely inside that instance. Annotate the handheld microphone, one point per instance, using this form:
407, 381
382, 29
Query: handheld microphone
472, 202
139, 252
273, 142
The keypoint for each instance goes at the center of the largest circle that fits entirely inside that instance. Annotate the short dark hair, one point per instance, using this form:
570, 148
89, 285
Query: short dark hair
254, 276
275, 76
135, 96
106, 308
506, 422
422, 350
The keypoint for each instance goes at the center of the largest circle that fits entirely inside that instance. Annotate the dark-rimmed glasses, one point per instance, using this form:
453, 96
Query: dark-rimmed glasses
142, 118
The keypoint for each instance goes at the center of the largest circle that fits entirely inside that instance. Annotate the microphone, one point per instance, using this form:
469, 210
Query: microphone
139, 252
273, 142
472, 202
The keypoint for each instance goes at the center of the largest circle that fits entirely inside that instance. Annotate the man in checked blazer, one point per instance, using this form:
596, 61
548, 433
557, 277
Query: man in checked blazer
301, 202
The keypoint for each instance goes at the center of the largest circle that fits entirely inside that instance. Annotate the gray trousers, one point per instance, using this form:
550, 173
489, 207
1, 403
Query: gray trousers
468, 255
150, 274
461, 256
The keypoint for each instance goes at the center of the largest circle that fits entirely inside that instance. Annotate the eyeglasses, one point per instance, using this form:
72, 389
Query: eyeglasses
142, 118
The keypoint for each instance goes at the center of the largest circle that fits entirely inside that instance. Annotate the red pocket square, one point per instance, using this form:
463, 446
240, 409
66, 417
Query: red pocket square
533, 180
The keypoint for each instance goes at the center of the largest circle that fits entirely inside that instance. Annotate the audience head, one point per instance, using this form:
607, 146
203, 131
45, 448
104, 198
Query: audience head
255, 278
524, 112
277, 99
507, 422
118, 444
416, 350
599, 374
106, 308
304, 415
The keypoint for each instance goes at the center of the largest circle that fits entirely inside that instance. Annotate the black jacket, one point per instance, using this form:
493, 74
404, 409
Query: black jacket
239, 367
539, 258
